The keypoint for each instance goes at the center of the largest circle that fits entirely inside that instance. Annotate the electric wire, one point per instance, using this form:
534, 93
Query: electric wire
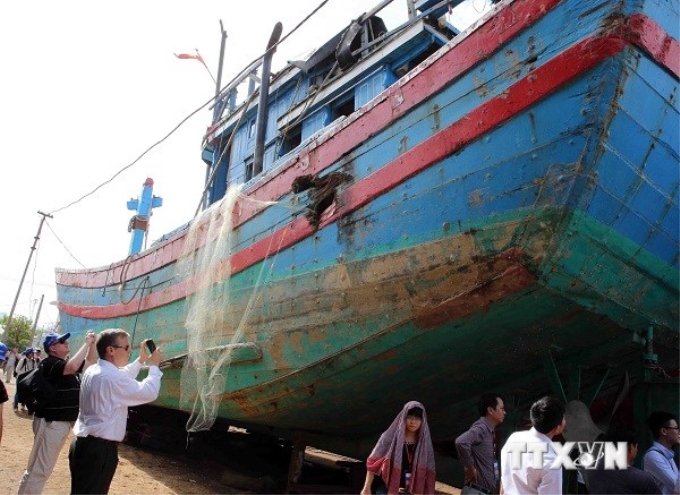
62, 244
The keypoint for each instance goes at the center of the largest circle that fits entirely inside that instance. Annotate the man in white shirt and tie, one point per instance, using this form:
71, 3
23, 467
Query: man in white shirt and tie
108, 388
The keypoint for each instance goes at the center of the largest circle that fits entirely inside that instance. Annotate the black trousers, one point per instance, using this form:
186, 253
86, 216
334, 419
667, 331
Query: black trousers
93, 462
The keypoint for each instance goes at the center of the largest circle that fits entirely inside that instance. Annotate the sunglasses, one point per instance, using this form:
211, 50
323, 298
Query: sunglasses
126, 347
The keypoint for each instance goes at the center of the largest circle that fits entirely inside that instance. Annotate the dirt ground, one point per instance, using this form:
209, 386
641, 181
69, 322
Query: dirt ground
139, 470
143, 470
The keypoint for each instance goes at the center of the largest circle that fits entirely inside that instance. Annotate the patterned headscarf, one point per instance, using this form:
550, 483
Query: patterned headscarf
385, 459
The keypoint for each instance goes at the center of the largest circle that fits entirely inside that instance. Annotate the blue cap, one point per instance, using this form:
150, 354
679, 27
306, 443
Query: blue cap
29, 350
52, 338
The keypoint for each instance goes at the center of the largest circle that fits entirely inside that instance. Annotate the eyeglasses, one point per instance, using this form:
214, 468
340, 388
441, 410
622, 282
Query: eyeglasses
676, 427
126, 347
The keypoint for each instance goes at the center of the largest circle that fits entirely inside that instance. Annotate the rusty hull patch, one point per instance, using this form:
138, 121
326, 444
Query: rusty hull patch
494, 279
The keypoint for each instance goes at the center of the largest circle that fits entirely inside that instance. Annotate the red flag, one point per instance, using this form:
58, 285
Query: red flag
189, 55
195, 57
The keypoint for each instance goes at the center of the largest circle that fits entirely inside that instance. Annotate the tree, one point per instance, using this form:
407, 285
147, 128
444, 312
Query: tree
20, 332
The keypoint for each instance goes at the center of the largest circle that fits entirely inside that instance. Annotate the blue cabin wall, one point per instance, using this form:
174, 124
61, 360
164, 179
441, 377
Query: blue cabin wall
345, 100
283, 100
315, 122
373, 85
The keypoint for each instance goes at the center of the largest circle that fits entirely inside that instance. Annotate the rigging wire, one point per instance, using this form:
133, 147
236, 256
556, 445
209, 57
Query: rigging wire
62, 244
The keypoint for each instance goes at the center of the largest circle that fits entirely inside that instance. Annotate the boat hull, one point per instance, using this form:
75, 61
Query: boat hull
509, 209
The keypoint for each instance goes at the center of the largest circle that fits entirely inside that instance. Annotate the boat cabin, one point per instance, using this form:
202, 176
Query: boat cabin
310, 97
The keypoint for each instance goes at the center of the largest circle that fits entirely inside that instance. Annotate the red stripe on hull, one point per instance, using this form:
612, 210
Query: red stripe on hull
648, 35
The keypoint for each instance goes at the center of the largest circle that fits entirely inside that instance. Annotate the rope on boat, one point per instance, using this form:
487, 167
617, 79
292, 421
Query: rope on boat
139, 307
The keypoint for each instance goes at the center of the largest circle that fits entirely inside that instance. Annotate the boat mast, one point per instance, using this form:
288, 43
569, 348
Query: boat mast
139, 223
411, 6
218, 83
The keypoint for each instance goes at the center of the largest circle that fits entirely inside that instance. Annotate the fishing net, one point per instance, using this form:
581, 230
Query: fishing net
215, 329
202, 383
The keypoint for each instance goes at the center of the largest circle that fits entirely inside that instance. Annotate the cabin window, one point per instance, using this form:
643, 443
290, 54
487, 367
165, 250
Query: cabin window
315, 122
291, 138
371, 87
342, 108
316, 82
251, 129
249, 170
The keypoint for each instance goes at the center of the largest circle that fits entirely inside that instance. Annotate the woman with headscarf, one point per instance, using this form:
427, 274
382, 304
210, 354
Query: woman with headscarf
403, 459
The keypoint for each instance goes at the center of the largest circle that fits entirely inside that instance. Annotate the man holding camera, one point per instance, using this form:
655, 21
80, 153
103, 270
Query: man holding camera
108, 388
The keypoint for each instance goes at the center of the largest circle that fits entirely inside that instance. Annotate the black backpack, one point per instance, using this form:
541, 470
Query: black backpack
34, 390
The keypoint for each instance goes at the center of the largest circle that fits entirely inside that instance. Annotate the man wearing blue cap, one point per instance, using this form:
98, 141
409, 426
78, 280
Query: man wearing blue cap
51, 425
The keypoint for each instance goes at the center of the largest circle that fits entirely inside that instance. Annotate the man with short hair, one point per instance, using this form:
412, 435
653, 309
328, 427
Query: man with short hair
547, 419
659, 460
621, 481
108, 388
51, 425
476, 447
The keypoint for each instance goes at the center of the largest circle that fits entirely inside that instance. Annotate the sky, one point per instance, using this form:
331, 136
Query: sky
86, 87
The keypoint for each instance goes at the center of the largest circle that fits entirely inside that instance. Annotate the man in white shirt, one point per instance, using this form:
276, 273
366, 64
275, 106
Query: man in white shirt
108, 388
527, 456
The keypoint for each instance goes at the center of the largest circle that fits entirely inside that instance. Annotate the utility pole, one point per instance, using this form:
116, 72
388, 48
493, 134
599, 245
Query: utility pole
35, 243
35, 322
37, 315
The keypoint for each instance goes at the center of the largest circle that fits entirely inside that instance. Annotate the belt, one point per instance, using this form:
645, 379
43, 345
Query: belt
99, 439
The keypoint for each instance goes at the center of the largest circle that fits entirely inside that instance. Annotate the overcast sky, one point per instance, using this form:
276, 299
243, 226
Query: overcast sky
87, 86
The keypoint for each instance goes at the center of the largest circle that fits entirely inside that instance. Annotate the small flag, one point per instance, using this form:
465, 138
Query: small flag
189, 55
198, 57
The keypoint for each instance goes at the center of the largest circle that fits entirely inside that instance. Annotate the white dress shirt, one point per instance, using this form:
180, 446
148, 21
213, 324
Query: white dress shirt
530, 479
106, 392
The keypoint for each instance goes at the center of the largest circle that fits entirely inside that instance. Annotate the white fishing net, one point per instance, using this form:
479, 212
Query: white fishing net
215, 330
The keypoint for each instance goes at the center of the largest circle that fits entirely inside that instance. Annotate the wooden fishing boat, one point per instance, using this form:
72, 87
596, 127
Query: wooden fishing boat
421, 213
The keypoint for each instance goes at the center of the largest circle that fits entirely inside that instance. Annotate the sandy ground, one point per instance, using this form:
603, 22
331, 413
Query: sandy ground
139, 471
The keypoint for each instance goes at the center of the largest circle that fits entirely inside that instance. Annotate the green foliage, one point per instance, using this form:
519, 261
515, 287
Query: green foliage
20, 332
